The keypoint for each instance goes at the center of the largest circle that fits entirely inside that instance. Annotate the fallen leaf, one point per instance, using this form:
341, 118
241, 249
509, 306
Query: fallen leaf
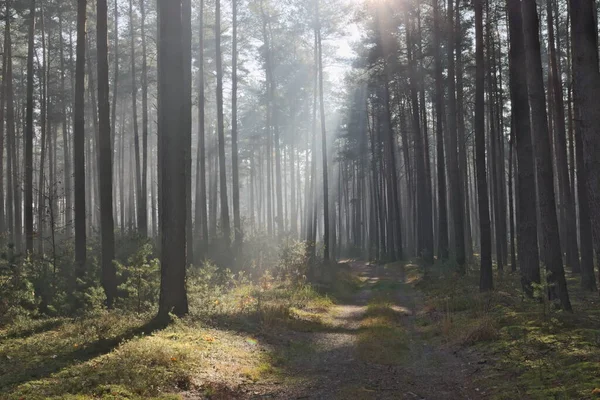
208, 338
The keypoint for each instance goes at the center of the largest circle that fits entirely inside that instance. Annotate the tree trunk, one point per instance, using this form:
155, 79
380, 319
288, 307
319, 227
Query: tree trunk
441, 160
586, 86
67, 175
424, 206
237, 222
144, 198
225, 226
79, 143
142, 217
327, 229
201, 213
105, 166
486, 276
43, 68
527, 241
29, 135
172, 132
562, 166
452, 153
543, 153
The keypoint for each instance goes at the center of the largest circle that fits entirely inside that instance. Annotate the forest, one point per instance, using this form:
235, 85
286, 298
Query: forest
299, 199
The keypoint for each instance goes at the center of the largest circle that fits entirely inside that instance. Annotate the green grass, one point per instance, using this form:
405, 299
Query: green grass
382, 339
535, 351
115, 356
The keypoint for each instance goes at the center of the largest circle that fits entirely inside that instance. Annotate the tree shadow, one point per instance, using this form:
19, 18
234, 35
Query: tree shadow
36, 327
9, 379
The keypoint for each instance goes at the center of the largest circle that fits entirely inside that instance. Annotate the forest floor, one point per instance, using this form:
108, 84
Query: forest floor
367, 347
375, 332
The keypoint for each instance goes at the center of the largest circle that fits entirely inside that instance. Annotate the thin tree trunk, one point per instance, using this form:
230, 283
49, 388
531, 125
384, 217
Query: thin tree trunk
141, 208
79, 143
225, 226
327, 229
201, 214
486, 277
29, 135
144, 172
439, 116
237, 222
561, 151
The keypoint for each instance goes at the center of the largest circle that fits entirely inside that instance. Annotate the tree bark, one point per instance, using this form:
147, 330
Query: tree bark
172, 139
542, 149
237, 222
201, 216
79, 142
225, 225
29, 135
105, 165
562, 166
439, 118
586, 86
486, 276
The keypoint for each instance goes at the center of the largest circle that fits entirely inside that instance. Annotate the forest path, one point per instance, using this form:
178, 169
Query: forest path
360, 357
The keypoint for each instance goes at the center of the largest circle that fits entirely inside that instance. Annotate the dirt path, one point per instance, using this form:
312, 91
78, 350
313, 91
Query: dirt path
327, 365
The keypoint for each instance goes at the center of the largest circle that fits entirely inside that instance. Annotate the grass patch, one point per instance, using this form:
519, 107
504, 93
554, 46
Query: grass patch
107, 356
344, 286
382, 340
534, 351
178, 358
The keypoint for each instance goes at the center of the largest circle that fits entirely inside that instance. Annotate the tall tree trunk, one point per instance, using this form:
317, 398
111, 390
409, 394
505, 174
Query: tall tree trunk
29, 135
10, 126
439, 117
113, 121
586, 84
43, 68
3, 95
79, 143
225, 226
141, 208
237, 221
327, 228
562, 165
486, 276
172, 139
543, 152
201, 213
144, 174
424, 206
105, 165
462, 145
527, 241
67, 176
186, 19
452, 153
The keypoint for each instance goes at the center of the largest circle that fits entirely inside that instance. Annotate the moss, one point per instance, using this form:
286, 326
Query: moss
536, 352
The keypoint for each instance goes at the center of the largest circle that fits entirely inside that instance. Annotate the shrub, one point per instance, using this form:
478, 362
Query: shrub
140, 281
17, 294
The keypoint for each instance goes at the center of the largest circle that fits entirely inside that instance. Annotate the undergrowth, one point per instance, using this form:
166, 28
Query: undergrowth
527, 348
116, 355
